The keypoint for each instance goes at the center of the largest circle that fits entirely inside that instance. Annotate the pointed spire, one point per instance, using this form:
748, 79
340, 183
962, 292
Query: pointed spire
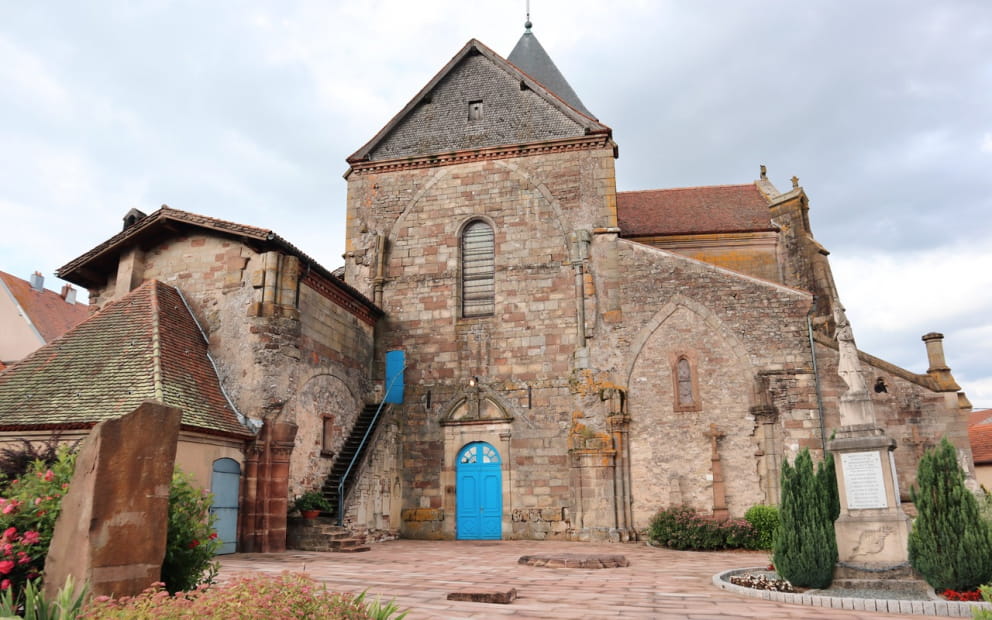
529, 56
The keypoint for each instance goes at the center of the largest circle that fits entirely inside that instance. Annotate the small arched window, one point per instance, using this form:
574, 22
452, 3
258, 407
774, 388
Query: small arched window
478, 285
686, 384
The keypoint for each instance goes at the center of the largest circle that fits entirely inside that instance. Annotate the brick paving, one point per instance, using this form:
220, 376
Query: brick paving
659, 583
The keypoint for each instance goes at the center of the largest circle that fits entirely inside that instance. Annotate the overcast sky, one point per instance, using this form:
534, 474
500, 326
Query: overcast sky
246, 111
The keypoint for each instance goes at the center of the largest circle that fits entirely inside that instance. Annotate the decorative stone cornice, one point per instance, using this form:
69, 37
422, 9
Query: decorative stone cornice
589, 142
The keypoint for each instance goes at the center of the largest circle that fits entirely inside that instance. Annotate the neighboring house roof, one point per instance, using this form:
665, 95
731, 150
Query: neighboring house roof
518, 109
144, 346
529, 56
46, 310
980, 436
693, 210
89, 269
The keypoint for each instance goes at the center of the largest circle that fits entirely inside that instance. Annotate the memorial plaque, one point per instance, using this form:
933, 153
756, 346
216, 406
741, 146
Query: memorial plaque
863, 480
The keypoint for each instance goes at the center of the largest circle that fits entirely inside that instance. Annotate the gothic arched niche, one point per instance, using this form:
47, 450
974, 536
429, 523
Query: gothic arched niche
475, 406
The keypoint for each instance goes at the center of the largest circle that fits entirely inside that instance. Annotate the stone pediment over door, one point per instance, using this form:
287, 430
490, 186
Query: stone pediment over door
476, 406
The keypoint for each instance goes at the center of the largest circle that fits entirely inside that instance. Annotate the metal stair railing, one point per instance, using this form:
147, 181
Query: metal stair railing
360, 451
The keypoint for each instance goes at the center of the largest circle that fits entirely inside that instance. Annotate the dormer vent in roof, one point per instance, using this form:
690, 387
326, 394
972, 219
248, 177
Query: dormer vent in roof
37, 281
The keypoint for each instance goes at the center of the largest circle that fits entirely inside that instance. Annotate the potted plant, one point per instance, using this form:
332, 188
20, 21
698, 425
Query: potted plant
310, 504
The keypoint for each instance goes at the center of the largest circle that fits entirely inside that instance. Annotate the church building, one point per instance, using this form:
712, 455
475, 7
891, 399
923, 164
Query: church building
512, 350
577, 358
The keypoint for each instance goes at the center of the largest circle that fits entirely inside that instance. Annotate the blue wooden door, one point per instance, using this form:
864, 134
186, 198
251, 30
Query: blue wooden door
224, 483
478, 493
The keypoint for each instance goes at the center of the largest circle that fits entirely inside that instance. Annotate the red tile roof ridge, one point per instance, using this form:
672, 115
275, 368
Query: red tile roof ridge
688, 187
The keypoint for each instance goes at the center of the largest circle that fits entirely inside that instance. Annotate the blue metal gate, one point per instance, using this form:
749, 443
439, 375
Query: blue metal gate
224, 483
478, 493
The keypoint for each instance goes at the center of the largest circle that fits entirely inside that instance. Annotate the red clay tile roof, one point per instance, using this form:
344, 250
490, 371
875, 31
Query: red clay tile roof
144, 346
164, 222
980, 436
46, 309
693, 210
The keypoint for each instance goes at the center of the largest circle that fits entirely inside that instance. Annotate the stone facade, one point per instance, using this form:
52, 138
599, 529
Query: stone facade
616, 376
291, 344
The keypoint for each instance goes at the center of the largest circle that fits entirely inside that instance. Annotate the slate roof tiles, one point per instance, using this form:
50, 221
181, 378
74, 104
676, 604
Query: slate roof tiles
144, 346
693, 210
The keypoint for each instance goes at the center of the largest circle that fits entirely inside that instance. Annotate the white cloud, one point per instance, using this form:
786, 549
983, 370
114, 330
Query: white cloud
986, 146
914, 290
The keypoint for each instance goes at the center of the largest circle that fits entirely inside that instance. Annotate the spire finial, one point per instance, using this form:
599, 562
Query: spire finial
527, 24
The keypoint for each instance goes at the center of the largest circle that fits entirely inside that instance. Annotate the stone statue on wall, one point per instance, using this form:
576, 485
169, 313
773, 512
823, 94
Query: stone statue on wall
848, 365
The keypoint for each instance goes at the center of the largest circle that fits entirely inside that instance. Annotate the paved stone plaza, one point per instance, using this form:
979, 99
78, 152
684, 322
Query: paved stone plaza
659, 583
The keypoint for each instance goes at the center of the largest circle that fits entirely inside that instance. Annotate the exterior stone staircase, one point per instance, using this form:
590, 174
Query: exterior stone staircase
322, 534
343, 459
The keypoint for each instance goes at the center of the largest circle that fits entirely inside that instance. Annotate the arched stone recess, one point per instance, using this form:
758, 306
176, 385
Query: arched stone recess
671, 449
476, 414
529, 211
324, 410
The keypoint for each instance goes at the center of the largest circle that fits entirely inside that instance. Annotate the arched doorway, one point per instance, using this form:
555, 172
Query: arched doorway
224, 483
478, 493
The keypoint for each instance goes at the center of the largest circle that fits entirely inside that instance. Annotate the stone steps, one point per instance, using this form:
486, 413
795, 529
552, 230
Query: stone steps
322, 534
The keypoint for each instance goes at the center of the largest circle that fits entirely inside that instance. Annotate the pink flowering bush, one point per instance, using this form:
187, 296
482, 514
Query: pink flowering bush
191, 542
29, 507
289, 596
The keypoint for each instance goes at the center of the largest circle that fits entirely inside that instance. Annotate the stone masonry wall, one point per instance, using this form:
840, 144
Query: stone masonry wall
522, 355
912, 414
300, 364
744, 338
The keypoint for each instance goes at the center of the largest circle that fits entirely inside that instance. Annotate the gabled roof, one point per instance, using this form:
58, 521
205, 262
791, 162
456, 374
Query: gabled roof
529, 56
980, 436
89, 269
48, 311
693, 210
526, 111
144, 346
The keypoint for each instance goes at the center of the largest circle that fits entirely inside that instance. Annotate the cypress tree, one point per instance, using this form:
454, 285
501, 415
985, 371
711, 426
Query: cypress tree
826, 471
805, 550
950, 544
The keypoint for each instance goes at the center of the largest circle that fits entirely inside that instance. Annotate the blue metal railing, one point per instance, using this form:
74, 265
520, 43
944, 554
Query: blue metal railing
361, 446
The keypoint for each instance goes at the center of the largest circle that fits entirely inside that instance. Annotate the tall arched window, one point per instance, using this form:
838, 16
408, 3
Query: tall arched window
478, 270
685, 383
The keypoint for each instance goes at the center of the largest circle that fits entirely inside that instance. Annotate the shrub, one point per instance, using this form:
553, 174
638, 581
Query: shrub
192, 542
983, 614
288, 596
27, 519
765, 521
67, 605
16, 460
683, 528
950, 545
805, 550
826, 472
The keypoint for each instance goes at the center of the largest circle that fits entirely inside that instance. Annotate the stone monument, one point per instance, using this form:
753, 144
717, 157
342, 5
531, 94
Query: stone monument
112, 528
872, 529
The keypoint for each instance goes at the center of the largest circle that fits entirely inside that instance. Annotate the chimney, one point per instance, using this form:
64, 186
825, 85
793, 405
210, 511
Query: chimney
132, 217
37, 281
69, 294
935, 351
938, 369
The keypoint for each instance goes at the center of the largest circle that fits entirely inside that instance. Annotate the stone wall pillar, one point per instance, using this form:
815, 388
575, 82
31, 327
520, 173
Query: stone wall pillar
769, 452
267, 489
594, 493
